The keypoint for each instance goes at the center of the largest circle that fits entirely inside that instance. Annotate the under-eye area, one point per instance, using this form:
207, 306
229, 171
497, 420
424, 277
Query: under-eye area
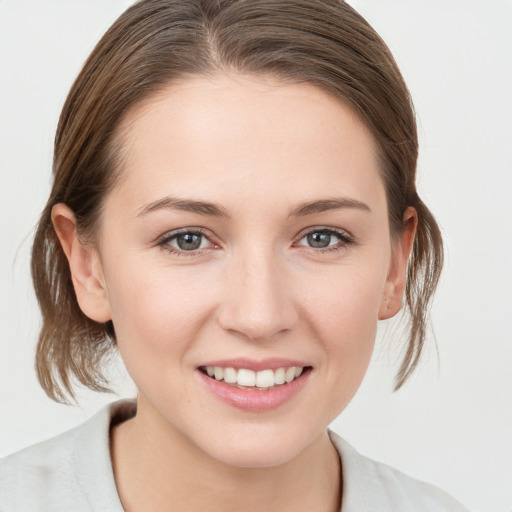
262, 380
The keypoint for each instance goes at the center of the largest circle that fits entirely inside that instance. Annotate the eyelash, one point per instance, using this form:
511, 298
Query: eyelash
344, 240
165, 241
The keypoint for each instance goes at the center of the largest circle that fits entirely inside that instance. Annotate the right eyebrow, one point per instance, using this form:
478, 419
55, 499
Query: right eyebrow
186, 205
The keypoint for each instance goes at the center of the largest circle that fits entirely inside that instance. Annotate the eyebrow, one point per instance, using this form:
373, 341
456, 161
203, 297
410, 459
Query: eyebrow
186, 205
210, 209
324, 205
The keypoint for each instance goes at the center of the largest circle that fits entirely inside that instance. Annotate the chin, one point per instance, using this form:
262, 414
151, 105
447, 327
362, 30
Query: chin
258, 447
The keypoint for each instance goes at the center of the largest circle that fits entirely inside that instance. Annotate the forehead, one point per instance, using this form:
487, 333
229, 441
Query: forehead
258, 134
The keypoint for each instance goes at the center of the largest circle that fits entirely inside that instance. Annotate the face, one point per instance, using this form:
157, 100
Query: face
247, 236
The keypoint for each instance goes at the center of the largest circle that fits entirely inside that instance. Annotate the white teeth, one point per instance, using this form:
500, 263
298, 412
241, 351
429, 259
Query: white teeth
263, 379
230, 375
246, 377
279, 376
289, 374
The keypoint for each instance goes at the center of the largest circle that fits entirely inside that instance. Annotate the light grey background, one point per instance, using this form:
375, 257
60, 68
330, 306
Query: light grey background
451, 425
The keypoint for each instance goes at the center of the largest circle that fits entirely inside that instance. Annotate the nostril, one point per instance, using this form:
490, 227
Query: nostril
258, 326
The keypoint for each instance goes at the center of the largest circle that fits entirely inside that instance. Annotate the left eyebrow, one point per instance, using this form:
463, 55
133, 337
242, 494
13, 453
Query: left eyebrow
324, 205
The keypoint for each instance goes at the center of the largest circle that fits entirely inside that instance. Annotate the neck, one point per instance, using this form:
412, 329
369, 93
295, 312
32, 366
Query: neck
159, 470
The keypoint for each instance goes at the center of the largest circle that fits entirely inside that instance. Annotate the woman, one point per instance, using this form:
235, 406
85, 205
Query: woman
233, 209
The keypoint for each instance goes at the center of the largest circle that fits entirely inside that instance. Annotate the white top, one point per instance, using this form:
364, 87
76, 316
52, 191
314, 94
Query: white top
73, 472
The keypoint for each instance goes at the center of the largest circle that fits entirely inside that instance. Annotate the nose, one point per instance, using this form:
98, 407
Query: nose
258, 298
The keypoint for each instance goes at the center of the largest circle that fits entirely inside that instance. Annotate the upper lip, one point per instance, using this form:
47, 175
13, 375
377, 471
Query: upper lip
256, 364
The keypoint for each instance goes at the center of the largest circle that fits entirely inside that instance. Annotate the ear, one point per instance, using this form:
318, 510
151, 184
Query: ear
85, 266
395, 283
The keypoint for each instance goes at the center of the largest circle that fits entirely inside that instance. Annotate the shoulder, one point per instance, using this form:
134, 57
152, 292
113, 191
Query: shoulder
33, 476
369, 485
63, 473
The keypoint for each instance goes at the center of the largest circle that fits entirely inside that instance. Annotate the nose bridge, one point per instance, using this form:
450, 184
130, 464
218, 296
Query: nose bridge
258, 302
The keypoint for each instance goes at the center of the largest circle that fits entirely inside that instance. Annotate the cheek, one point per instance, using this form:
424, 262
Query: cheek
347, 322
345, 298
157, 313
343, 310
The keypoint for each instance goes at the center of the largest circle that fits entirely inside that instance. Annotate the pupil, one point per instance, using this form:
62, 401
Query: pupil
319, 240
189, 241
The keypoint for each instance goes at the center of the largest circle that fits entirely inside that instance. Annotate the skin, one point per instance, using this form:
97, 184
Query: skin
258, 149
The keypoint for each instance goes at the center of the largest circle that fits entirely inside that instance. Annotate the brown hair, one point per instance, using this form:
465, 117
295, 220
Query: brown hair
320, 42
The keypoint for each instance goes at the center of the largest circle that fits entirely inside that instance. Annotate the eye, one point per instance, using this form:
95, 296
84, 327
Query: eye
325, 238
186, 240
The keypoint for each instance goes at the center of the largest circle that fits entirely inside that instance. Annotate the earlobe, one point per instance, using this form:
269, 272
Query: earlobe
85, 266
395, 283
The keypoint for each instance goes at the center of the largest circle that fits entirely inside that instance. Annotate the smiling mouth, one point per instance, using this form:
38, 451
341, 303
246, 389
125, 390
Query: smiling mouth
262, 380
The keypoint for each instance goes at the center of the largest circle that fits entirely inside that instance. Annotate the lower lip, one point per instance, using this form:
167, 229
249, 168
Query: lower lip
252, 399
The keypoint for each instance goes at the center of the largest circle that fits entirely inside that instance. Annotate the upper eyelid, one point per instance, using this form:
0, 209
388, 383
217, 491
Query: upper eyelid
169, 235
313, 229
